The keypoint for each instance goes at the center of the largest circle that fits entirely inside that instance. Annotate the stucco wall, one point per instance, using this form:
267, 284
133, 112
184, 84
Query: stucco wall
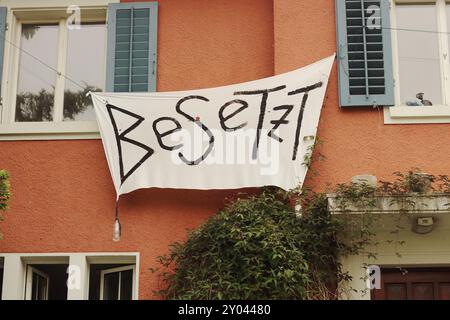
63, 198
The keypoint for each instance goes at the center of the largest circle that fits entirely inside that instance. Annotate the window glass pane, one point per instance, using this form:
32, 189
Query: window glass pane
111, 286
418, 55
36, 85
85, 66
126, 285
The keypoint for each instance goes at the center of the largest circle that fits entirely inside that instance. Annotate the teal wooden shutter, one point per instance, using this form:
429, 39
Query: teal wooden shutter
3, 12
364, 53
132, 42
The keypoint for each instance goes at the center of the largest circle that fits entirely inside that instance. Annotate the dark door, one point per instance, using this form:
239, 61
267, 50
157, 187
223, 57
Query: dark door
414, 284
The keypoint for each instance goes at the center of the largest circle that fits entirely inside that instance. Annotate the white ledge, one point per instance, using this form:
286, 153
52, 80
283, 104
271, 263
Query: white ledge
416, 114
50, 130
411, 203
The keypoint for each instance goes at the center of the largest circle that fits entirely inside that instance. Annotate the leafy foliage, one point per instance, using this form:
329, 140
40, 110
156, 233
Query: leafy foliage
5, 193
35, 107
77, 102
29, 30
256, 248
4, 190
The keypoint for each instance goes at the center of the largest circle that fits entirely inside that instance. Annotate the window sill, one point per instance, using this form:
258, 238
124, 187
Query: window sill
69, 130
416, 115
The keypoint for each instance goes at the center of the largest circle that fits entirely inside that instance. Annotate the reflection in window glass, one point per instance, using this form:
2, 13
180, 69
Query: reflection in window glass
418, 54
85, 65
36, 85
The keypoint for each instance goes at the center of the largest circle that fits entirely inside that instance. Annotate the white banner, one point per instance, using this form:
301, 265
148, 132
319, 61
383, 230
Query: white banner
251, 134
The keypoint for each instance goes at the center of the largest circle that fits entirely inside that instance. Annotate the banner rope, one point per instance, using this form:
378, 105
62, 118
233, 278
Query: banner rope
117, 226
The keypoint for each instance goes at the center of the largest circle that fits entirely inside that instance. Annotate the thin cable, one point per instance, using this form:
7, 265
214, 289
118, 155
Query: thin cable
51, 85
82, 87
395, 29
415, 30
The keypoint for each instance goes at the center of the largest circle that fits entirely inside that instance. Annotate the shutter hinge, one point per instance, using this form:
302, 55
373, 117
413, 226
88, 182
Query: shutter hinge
154, 64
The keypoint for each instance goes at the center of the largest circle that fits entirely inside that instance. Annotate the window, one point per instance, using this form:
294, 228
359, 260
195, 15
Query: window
420, 32
56, 65
395, 53
46, 278
42, 94
69, 276
419, 69
37, 284
111, 282
112, 278
50, 64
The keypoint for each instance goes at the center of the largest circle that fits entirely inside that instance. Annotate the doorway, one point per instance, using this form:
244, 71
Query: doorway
413, 284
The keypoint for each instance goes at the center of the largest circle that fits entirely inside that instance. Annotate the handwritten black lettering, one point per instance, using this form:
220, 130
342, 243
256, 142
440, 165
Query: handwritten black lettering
160, 135
304, 90
262, 112
279, 122
223, 119
121, 136
198, 123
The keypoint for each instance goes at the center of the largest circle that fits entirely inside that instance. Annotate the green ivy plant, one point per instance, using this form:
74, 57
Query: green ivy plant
5, 193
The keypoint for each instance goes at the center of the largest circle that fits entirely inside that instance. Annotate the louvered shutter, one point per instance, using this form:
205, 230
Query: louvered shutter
132, 41
364, 53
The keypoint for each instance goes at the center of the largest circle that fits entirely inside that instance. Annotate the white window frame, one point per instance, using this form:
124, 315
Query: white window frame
401, 114
30, 11
16, 264
114, 270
